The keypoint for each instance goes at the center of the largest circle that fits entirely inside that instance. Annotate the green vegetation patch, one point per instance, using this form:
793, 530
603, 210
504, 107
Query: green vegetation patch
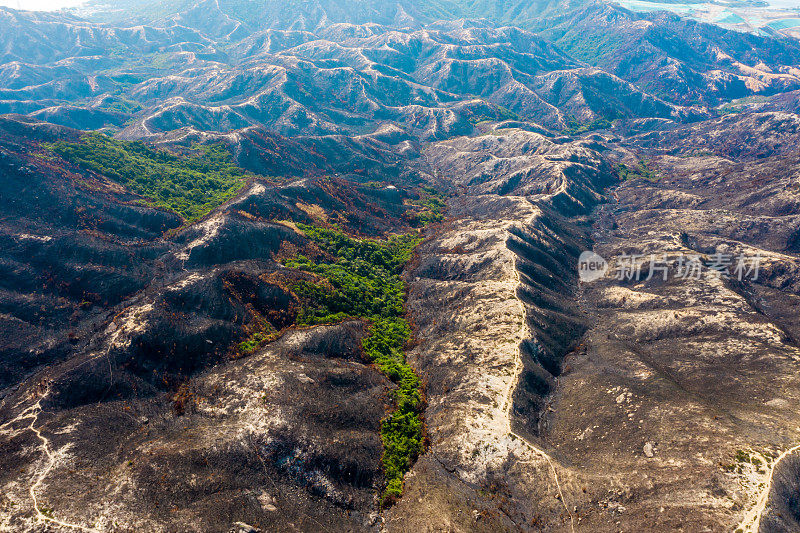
362, 279
190, 186
122, 105
402, 431
502, 114
576, 128
741, 104
429, 208
591, 47
265, 333
640, 171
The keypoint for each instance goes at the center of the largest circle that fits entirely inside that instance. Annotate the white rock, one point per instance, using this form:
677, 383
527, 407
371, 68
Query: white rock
649, 449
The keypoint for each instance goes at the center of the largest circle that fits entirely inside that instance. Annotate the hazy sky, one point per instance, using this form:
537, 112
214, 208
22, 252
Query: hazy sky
49, 5
40, 5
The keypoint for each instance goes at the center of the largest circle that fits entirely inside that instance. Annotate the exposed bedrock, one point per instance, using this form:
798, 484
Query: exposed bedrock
654, 404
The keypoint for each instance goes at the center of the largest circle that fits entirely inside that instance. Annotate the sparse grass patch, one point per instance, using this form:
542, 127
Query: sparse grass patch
741, 104
266, 333
576, 128
502, 114
743, 458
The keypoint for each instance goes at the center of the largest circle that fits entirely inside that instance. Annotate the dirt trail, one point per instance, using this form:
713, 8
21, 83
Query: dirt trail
752, 519
33, 413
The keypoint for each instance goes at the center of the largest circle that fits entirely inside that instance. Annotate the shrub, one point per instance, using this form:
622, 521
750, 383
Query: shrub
364, 281
640, 171
190, 186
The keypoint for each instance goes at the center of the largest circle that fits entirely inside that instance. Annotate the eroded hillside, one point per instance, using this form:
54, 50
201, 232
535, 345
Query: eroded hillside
313, 267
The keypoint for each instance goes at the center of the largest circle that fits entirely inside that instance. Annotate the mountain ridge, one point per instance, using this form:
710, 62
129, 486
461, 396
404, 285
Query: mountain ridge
204, 211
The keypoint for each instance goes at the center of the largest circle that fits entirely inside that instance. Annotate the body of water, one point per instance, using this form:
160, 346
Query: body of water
715, 12
785, 4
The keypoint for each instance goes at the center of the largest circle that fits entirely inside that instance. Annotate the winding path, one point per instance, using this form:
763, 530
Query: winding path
33, 413
752, 519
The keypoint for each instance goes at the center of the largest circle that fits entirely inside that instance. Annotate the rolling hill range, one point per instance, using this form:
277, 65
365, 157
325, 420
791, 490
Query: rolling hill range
311, 266
206, 69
